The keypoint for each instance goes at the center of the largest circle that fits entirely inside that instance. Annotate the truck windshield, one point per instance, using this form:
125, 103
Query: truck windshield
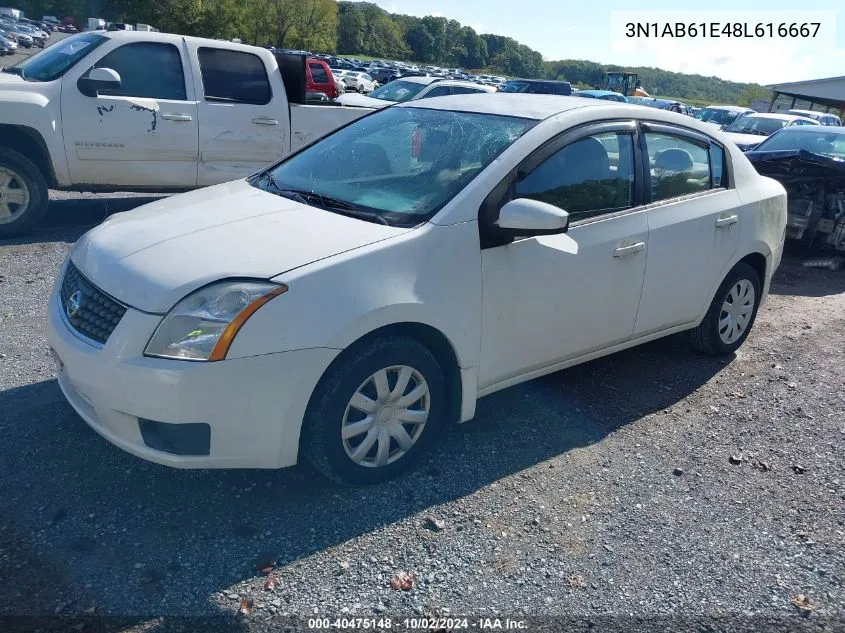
56, 60
398, 166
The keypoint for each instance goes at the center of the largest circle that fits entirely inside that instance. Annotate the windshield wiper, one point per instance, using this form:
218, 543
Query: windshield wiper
14, 71
330, 204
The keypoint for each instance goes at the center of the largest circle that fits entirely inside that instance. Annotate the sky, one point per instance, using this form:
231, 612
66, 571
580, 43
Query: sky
596, 31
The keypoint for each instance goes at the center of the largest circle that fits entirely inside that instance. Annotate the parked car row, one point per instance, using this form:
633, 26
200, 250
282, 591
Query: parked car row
26, 33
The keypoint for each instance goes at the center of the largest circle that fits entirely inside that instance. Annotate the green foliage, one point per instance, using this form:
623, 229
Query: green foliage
694, 89
363, 28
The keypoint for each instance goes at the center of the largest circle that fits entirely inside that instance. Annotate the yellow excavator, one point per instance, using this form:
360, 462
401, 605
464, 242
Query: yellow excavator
625, 83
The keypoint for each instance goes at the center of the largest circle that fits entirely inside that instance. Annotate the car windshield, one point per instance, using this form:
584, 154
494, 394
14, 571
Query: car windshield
822, 142
397, 90
56, 60
756, 125
717, 115
397, 166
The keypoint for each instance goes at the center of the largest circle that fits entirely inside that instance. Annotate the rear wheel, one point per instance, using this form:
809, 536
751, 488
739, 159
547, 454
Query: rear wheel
732, 313
375, 411
23, 194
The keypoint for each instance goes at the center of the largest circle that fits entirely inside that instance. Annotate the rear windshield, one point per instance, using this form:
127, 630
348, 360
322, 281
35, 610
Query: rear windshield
398, 90
56, 60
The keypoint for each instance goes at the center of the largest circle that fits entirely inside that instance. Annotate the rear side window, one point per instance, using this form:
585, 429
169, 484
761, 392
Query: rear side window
319, 74
681, 166
439, 91
465, 90
150, 70
234, 76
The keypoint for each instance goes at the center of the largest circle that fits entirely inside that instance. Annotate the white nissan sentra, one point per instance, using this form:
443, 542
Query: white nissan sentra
346, 304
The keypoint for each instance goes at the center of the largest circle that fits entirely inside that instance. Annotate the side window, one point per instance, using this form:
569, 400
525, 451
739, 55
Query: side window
438, 91
151, 70
592, 176
680, 166
233, 76
465, 90
319, 74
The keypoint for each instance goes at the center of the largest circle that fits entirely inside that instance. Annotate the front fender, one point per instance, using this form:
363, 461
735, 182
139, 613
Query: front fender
431, 276
36, 109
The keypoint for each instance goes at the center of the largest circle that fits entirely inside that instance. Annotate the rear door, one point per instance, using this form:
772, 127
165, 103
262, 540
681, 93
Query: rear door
694, 221
143, 134
242, 110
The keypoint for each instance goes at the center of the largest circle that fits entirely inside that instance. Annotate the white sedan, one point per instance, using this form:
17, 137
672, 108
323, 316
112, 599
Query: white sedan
411, 89
347, 303
752, 129
356, 80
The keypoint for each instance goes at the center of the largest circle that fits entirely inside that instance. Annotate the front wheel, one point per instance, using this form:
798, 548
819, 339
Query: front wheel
375, 412
23, 193
732, 313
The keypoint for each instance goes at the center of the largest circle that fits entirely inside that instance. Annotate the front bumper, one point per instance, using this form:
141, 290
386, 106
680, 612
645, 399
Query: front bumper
253, 406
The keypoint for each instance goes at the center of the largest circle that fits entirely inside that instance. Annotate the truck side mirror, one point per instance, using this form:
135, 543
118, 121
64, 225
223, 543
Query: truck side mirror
98, 79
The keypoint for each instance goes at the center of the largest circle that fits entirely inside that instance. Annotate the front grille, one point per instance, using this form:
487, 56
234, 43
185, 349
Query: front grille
90, 311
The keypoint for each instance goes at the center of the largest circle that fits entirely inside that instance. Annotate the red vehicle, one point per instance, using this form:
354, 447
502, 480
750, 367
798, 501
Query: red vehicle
319, 78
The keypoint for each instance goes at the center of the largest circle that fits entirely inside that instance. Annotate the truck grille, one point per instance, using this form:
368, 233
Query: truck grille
88, 310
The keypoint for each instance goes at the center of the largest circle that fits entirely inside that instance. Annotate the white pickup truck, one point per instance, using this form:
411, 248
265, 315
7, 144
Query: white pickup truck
130, 111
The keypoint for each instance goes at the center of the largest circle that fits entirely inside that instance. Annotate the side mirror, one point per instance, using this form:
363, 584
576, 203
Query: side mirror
98, 79
525, 217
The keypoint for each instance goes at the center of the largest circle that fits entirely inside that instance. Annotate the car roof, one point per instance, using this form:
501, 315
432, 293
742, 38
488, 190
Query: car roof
815, 129
777, 115
599, 93
468, 84
523, 105
731, 108
414, 79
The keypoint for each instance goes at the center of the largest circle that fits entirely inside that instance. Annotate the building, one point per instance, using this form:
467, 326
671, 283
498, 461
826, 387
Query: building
823, 95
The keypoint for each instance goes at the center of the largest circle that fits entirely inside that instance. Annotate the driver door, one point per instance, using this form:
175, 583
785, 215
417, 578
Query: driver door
143, 134
549, 299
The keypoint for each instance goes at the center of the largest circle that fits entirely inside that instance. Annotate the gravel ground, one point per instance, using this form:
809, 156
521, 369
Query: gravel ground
652, 483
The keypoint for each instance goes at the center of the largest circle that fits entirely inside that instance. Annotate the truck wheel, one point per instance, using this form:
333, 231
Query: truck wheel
731, 315
376, 410
23, 194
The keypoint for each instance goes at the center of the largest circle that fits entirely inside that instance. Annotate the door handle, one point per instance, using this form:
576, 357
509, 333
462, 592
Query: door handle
265, 121
727, 221
174, 116
622, 251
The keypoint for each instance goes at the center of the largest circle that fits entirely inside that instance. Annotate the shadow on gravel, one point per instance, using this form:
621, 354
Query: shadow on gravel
792, 278
97, 527
67, 219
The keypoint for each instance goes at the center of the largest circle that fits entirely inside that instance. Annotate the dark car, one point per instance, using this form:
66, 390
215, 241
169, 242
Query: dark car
809, 161
538, 86
384, 75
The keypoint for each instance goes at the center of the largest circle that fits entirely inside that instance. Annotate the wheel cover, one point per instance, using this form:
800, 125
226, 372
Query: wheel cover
14, 195
737, 309
385, 416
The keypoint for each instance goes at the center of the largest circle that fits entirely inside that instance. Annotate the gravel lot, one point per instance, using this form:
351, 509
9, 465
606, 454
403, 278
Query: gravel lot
608, 489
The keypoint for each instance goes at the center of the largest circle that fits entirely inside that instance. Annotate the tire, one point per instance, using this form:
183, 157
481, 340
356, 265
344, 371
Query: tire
26, 177
330, 410
722, 340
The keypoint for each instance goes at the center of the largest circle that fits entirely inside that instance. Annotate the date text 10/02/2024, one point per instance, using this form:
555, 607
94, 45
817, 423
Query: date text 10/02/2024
418, 624
656, 30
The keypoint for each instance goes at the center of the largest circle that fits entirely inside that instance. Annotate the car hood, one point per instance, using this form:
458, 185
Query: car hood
355, 99
744, 139
8, 78
152, 256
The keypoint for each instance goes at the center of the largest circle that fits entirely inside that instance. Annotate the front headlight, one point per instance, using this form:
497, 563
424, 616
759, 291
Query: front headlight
203, 325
